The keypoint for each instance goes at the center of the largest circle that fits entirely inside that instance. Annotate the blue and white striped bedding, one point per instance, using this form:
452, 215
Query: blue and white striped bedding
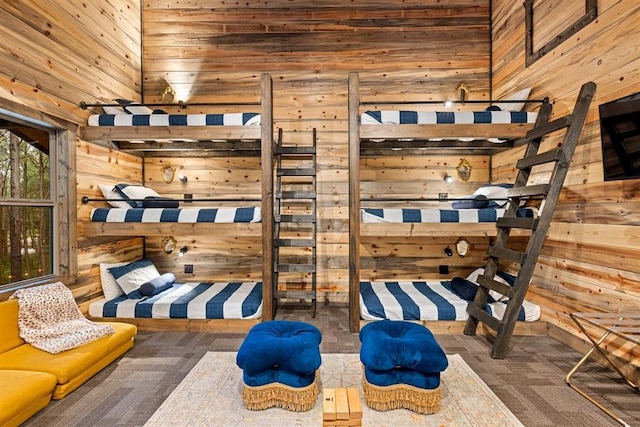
228, 119
425, 301
188, 301
400, 117
399, 215
186, 215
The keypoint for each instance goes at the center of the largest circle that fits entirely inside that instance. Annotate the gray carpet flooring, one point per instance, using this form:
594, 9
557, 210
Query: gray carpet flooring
530, 381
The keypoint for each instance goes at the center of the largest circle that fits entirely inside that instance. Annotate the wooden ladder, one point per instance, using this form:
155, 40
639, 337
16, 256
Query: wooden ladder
525, 261
295, 228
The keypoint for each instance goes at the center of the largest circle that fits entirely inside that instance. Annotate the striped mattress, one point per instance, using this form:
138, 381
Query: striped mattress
187, 215
188, 301
372, 215
447, 117
426, 301
228, 119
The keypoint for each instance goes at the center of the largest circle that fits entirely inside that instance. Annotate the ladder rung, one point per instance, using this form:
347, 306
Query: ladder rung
517, 222
296, 150
483, 316
295, 243
539, 159
529, 190
552, 126
504, 253
296, 268
296, 172
297, 294
296, 195
307, 219
494, 285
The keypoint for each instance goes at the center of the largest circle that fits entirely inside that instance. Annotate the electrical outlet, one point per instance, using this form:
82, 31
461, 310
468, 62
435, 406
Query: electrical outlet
188, 268
187, 198
443, 269
443, 196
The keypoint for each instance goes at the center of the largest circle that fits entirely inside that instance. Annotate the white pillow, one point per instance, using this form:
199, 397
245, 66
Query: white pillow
521, 95
134, 192
113, 110
110, 287
133, 275
493, 192
138, 109
473, 277
108, 192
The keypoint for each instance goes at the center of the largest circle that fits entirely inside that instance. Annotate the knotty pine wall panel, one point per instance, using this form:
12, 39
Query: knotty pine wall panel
214, 51
58, 53
97, 165
590, 259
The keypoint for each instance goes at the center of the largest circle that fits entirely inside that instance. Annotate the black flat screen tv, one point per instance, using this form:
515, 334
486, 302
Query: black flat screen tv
620, 135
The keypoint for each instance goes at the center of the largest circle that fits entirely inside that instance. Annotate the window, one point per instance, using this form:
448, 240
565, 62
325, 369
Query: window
31, 223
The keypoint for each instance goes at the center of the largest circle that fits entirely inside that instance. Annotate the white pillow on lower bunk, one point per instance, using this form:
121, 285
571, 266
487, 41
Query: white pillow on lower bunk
473, 277
110, 287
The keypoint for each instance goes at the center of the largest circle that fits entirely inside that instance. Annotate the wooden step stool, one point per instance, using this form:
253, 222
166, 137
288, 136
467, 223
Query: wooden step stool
341, 407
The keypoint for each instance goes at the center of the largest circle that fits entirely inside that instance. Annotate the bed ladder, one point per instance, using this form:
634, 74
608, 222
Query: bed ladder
295, 222
525, 260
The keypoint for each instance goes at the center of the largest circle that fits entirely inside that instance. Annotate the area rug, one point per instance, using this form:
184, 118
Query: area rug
211, 395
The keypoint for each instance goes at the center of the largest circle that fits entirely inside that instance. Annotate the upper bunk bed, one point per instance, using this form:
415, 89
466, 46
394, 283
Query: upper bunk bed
238, 133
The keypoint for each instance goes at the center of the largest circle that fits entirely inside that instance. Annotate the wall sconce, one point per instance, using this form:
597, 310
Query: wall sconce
448, 251
462, 247
448, 178
168, 172
183, 178
183, 250
169, 245
464, 170
168, 94
462, 93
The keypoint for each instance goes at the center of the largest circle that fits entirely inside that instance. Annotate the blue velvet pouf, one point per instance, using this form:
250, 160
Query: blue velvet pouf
402, 365
279, 361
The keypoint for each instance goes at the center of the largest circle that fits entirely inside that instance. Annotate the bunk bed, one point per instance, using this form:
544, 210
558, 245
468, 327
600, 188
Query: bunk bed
375, 132
238, 134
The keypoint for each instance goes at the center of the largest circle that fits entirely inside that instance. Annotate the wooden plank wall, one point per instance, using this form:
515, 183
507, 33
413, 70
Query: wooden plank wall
215, 51
55, 54
591, 257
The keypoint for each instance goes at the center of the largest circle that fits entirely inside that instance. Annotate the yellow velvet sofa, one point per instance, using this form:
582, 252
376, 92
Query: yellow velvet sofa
70, 368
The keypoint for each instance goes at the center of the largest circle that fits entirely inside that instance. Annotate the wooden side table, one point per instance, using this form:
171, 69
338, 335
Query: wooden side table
603, 325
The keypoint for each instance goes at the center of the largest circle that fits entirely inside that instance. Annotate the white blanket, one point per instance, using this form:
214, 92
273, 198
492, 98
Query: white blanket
50, 320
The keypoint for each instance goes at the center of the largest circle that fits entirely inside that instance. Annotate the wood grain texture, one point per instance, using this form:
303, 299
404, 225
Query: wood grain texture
589, 261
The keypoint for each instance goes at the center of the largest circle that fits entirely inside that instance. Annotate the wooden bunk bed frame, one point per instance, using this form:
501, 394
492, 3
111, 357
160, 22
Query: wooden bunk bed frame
222, 140
413, 139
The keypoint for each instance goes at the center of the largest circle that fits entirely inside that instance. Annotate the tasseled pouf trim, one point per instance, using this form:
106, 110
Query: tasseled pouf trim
298, 399
384, 398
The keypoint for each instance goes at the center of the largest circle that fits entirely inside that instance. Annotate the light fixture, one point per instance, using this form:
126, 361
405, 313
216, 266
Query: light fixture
168, 94
448, 104
168, 172
183, 178
462, 93
183, 250
448, 178
169, 245
462, 247
448, 251
464, 170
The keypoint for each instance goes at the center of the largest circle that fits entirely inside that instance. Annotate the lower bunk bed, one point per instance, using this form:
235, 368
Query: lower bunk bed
439, 305
228, 306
